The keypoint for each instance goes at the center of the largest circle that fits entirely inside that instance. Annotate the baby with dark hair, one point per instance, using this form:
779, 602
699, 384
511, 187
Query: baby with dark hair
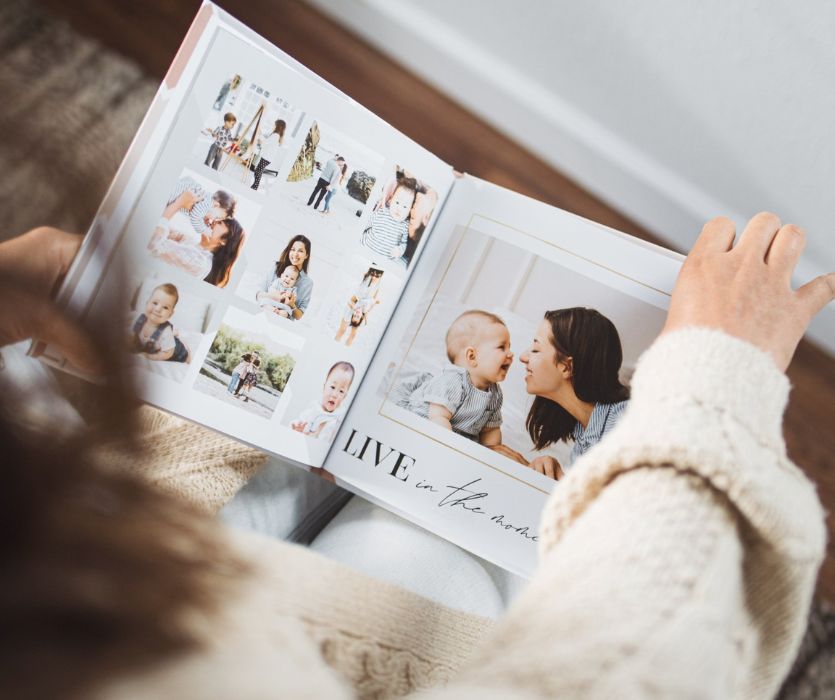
466, 397
388, 231
322, 419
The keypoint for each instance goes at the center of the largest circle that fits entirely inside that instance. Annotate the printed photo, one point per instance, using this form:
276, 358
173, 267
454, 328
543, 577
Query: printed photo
322, 415
202, 229
329, 186
248, 364
520, 355
359, 303
165, 326
400, 216
283, 294
246, 133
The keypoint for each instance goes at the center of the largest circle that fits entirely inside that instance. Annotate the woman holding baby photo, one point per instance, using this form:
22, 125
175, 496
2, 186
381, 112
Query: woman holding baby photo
288, 295
208, 246
572, 369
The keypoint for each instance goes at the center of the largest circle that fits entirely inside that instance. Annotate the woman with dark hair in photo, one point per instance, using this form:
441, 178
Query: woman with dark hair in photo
572, 368
297, 252
272, 146
225, 250
209, 250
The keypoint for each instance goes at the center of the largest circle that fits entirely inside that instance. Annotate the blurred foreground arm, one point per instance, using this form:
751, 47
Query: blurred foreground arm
679, 556
31, 269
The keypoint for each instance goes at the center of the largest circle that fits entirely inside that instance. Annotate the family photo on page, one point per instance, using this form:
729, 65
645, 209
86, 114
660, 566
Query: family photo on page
519, 355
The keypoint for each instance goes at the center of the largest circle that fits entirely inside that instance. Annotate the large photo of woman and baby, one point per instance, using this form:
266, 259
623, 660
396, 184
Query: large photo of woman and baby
519, 355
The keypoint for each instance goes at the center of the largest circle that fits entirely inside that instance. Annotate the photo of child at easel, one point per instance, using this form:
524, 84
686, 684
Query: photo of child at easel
360, 304
249, 144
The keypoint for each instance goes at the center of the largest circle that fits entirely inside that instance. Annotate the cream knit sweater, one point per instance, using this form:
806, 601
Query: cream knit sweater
678, 560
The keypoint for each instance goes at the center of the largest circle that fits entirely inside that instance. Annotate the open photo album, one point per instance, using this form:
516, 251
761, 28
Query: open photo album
297, 274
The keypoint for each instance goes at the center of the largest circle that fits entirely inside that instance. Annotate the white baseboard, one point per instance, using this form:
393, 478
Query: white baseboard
656, 197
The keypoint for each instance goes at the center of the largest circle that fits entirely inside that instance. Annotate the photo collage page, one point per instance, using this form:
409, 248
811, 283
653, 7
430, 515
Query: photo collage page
267, 251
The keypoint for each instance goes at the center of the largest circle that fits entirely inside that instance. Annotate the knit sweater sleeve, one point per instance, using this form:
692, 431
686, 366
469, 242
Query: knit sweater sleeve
679, 556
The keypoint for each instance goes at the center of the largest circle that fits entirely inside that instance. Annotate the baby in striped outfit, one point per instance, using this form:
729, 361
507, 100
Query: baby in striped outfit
388, 231
465, 397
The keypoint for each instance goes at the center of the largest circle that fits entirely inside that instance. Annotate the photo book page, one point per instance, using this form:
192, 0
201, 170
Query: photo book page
255, 243
465, 415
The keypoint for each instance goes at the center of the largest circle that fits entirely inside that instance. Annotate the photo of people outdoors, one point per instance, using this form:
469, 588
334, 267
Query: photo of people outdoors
355, 317
245, 133
536, 368
400, 217
202, 229
322, 417
164, 326
247, 366
329, 185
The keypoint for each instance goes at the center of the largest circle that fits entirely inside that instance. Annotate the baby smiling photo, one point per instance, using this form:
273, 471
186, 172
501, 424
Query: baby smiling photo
535, 369
165, 324
320, 398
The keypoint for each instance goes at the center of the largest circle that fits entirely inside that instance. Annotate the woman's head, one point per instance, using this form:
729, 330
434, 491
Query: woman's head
279, 128
226, 239
223, 206
373, 273
577, 351
297, 252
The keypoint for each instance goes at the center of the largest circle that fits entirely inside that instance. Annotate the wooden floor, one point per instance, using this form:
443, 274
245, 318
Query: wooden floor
150, 32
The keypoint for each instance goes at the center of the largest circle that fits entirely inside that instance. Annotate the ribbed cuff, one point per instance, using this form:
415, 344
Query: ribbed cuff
716, 371
712, 405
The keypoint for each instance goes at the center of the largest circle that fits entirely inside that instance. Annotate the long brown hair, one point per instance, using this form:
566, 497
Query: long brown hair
225, 256
279, 128
100, 573
284, 259
593, 344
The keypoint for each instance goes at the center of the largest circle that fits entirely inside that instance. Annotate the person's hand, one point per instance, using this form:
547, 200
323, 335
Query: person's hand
745, 290
158, 234
188, 199
547, 466
298, 425
31, 269
510, 454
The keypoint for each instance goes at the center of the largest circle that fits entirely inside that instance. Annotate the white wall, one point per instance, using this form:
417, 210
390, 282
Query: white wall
672, 112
